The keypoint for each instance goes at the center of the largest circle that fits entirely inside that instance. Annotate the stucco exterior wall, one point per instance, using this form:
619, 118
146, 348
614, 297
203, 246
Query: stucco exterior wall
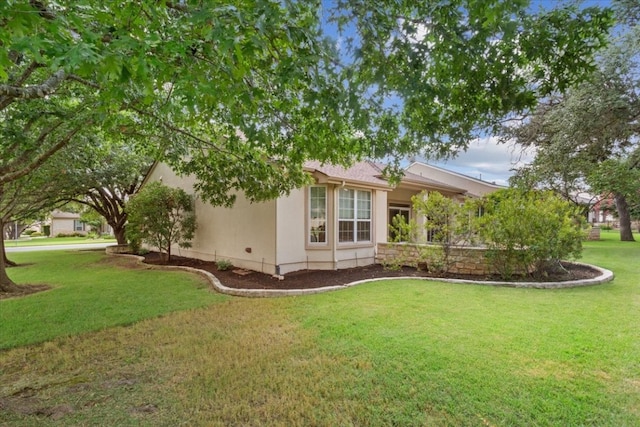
295, 252
244, 234
273, 237
291, 234
64, 225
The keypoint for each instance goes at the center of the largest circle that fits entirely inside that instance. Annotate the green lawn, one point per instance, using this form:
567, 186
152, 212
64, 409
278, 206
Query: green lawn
402, 352
42, 241
91, 292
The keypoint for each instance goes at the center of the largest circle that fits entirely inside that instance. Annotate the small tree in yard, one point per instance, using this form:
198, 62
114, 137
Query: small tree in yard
525, 230
161, 216
447, 223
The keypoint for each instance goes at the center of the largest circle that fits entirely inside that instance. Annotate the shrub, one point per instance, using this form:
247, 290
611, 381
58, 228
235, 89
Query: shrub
223, 264
36, 234
160, 216
529, 231
28, 232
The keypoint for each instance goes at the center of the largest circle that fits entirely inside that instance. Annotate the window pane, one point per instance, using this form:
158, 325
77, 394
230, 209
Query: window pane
364, 231
364, 205
318, 215
345, 204
345, 231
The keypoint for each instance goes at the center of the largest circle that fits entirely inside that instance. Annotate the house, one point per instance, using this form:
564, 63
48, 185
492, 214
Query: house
335, 223
66, 223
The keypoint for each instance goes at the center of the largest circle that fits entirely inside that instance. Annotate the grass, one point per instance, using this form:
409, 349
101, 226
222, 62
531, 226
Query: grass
403, 352
42, 241
91, 292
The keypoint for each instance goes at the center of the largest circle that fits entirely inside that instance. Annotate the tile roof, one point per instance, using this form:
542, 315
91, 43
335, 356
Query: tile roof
362, 172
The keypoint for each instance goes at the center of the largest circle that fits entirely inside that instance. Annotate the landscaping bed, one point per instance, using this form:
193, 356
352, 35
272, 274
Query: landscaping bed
309, 279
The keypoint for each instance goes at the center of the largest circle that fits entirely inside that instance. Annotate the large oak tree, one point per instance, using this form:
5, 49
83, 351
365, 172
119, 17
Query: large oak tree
587, 139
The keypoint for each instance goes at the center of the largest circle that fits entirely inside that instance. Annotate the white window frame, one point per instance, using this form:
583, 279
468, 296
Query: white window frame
354, 216
313, 231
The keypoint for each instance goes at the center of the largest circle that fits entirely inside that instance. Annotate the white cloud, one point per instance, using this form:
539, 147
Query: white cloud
488, 160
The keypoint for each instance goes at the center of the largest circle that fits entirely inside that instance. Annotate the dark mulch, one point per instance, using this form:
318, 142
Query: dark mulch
307, 279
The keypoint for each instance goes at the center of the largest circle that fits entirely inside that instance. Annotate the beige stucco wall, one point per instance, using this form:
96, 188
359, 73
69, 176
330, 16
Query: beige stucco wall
243, 234
63, 225
294, 252
474, 187
274, 231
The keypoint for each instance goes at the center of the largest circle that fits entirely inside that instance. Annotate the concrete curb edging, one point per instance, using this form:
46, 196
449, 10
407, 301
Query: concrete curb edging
605, 276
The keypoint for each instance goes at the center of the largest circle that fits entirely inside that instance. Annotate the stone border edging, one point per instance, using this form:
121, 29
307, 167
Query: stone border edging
605, 276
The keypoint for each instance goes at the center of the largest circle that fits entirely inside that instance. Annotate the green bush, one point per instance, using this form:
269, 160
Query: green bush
529, 231
35, 234
73, 234
223, 264
447, 223
160, 216
28, 232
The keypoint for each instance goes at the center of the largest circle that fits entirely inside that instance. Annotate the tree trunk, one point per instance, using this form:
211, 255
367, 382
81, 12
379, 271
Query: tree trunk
626, 234
6, 284
7, 261
118, 231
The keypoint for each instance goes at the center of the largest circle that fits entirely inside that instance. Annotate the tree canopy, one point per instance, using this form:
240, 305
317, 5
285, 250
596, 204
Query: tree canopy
587, 138
249, 91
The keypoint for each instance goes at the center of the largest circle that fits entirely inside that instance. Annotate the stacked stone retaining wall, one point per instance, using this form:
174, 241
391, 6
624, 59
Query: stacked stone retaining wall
462, 260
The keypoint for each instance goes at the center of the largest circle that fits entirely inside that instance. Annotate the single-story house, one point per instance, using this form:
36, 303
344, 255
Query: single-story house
335, 223
66, 223
62, 222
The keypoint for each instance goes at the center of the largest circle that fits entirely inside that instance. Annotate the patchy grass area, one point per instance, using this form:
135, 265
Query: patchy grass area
91, 292
44, 241
390, 353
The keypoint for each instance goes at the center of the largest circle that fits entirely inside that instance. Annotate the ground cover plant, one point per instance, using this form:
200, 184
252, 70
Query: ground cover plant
401, 352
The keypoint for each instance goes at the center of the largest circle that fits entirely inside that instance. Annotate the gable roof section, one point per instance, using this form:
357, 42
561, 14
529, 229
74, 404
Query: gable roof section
58, 214
473, 186
412, 179
360, 173
461, 175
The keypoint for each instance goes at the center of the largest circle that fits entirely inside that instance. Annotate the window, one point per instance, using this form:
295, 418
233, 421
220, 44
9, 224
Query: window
317, 214
354, 216
78, 225
397, 214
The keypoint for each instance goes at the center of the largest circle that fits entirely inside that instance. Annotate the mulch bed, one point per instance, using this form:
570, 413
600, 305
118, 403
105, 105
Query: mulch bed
309, 279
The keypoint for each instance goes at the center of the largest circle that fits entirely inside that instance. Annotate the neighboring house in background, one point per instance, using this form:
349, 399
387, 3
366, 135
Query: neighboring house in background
66, 223
335, 223
61, 222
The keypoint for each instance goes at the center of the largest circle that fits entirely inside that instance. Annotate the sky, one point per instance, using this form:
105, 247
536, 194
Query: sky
487, 160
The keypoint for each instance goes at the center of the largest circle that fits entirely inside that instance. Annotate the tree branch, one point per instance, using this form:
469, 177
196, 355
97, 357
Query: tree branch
42, 158
34, 92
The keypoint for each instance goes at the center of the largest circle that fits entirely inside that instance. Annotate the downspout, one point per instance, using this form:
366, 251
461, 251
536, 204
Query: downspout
334, 222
